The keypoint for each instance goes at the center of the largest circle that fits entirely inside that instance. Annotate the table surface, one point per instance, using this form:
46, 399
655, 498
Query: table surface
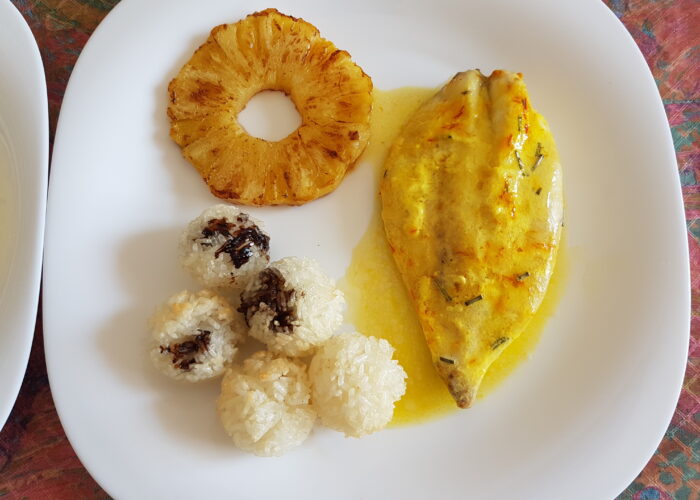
36, 459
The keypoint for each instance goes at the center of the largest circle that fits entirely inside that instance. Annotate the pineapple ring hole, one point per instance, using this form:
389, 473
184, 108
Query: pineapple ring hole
270, 115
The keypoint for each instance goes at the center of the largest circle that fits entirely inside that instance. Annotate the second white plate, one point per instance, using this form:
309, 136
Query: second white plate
24, 152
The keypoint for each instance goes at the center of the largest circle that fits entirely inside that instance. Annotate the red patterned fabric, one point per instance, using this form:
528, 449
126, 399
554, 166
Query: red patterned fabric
36, 459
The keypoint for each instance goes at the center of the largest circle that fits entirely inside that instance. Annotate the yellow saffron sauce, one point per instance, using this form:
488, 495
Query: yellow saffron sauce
379, 305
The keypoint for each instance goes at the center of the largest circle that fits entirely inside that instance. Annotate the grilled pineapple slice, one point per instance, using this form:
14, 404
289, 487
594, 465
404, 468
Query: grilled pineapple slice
270, 51
472, 205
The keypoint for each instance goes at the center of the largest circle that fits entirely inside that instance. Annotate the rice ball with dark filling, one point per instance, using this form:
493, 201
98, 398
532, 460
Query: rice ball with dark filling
265, 404
224, 247
194, 335
292, 306
355, 383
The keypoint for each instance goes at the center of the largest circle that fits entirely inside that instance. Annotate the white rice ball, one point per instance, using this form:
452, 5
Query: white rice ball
264, 404
355, 383
224, 247
194, 335
292, 306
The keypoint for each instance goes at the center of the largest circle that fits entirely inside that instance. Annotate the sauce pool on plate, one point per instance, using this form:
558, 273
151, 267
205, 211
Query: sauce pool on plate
378, 303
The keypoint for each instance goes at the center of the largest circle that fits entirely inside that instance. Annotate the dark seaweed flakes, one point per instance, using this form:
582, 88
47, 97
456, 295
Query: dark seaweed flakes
240, 241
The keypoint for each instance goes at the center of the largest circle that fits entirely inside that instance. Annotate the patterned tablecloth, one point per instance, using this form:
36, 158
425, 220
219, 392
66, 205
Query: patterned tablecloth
36, 459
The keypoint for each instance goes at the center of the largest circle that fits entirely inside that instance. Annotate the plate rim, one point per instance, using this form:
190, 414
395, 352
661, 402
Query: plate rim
680, 216
33, 273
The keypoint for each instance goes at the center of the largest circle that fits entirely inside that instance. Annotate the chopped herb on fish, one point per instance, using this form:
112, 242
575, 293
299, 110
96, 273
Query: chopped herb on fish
521, 166
498, 342
538, 156
471, 301
441, 287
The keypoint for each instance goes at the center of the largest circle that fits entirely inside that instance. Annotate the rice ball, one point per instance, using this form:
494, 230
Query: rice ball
224, 247
355, 383
264, 404
292, 306
194, 335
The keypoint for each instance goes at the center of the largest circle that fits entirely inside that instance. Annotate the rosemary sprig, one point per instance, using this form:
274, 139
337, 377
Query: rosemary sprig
538, 156
440, 287
498, 342
475, 299
521, 166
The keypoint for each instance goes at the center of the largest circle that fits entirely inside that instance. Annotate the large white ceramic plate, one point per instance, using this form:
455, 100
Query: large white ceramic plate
24, 146
578, 420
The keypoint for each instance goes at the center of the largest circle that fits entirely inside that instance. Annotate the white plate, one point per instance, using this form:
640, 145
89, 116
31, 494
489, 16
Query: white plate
579, 420
24, 147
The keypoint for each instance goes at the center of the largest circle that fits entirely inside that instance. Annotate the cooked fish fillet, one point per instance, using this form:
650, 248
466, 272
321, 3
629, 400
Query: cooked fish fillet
472, 204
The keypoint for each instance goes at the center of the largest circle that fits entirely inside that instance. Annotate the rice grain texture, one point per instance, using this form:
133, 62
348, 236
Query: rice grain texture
265, 404
355, 383
224, 247
194, 335
292, 306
